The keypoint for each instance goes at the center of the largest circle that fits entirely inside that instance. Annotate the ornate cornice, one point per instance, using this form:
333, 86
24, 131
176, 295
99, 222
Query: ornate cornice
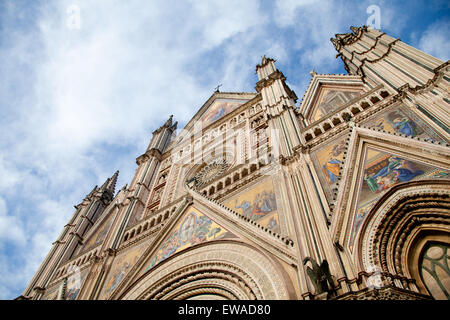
263, 83
439, 73
264, 62
150, 153
344, 39
385, 293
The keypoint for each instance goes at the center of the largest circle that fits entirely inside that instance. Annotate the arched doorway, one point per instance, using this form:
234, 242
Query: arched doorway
407, 236
218, 270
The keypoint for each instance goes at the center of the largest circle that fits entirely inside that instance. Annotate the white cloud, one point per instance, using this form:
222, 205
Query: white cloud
11, 229
314, 22
89, 92
435, 40
286, 10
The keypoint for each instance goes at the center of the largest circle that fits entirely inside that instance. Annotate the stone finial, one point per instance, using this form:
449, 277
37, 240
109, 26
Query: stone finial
169, 121
110, 183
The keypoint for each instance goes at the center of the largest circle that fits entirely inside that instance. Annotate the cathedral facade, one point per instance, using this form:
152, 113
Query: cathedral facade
343, 194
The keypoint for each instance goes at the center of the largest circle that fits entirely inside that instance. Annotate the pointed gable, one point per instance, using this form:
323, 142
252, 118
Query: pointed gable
193, 228
376, 162
328, 160
382, 171
327, 93
217, 106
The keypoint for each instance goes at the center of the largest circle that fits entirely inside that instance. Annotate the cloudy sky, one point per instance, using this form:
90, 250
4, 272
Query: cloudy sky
79, 98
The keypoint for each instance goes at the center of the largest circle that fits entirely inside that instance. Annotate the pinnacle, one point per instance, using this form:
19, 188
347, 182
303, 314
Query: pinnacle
169, 121
110, 183
264, 61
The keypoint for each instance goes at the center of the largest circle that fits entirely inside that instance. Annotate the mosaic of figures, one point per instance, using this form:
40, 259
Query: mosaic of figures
193, 229
382, 171
330, 100
327, 162
74, 284
121, 266
258, 204
218, 109
404, 121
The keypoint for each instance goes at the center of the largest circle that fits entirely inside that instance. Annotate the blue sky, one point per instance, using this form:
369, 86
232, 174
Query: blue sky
78, 104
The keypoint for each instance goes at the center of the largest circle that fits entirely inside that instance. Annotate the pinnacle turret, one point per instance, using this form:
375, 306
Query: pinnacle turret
110, 183
266, 68
342, 39
168, 122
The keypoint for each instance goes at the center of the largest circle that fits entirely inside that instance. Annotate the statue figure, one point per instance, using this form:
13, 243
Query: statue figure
320, 276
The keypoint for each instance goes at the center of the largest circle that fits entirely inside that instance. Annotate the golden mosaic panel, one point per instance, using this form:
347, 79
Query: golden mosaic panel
259, 204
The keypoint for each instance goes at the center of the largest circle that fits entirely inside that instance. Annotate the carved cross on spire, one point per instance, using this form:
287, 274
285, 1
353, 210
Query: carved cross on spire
217, 88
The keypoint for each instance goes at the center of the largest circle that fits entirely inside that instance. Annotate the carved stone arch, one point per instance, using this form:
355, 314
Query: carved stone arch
225, 269
399, 227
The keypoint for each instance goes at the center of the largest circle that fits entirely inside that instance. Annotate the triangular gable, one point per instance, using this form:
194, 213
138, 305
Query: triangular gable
197, 223
371, 154
193, 228
326, 93
217, 106
74, 284
400, 119
381, 171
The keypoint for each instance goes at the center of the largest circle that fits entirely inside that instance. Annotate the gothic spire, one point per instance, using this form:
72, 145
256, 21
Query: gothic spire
264, 61
266, 67
110, 183
342, 39
168, 123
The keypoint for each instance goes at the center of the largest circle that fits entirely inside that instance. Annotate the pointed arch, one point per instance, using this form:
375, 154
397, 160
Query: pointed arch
223, 269
400, 228
348, 199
